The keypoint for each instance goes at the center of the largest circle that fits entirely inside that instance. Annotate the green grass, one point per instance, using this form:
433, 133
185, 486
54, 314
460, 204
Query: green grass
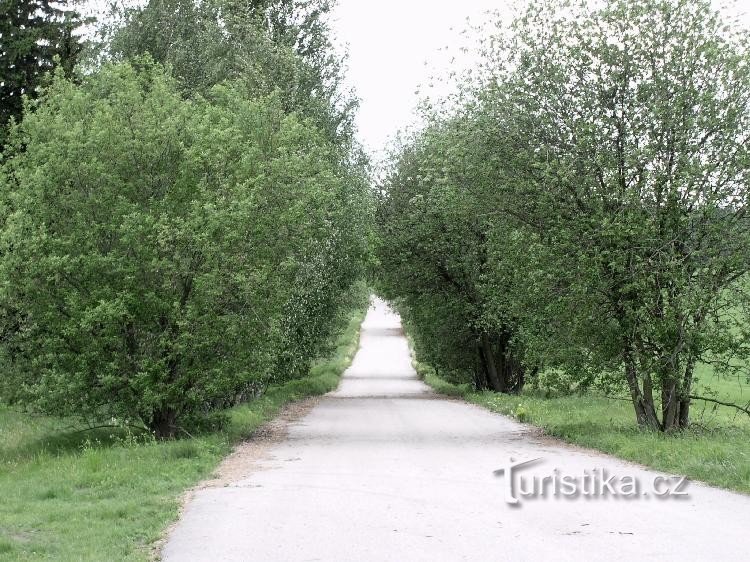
716, 450
102, 495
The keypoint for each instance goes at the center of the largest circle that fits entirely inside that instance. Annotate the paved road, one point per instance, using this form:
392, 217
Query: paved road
383, 469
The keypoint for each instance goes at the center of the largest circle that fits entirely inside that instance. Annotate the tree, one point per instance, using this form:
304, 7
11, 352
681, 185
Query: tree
435, 251
585, 201
32, 34
280, 48
155, 279
279, 45
630, 126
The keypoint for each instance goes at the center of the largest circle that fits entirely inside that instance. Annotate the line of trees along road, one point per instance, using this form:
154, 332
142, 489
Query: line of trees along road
579, 210
185, 220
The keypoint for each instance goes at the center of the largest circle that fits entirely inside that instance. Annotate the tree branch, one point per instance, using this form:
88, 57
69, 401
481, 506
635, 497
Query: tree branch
745, 409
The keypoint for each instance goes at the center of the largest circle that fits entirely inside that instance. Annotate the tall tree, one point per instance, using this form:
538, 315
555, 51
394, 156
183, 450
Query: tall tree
32, 34
437, 256
206, 253
631, 126
279, 45
595, 204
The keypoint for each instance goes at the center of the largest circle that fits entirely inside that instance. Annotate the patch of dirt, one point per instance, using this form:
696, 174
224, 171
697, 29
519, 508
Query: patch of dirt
246, 456
16, 535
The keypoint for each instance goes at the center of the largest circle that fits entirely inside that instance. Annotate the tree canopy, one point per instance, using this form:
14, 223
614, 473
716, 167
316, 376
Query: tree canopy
280, 45
185, 222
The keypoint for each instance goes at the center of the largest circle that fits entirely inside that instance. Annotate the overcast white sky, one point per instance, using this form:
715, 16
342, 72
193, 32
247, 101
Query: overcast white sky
395, 46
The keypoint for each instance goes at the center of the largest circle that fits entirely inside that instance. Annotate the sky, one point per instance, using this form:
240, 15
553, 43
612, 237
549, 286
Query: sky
395, 47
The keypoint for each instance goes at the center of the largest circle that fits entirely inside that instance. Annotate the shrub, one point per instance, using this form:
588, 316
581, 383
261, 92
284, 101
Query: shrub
155, 247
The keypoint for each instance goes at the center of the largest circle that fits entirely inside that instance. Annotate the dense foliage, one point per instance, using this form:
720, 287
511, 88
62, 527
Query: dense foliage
437, 256
266, 45
171, 247
586, 200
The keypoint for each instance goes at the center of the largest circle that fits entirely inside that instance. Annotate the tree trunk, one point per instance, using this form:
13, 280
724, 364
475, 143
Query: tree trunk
669, 403
505, 362
163, 423
521, 380
687, 384
504, 372
645, 412
511, 371
480, 370
648, 389
494, 379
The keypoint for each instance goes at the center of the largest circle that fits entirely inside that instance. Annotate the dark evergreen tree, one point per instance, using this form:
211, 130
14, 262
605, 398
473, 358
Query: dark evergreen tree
32, 34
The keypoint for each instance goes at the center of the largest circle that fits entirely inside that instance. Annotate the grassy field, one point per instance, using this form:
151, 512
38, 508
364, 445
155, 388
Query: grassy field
716, 450
100, 495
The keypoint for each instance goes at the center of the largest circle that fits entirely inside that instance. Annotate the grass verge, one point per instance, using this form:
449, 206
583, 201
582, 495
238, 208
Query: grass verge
103, 496
716, 450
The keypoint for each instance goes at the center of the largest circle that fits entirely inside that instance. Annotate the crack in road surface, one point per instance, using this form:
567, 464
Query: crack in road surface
384, 469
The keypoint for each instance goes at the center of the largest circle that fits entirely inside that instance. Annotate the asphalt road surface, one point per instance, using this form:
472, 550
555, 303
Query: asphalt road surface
383, 469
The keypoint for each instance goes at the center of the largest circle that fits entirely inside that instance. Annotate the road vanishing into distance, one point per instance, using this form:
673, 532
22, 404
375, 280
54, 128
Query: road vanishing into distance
384, 469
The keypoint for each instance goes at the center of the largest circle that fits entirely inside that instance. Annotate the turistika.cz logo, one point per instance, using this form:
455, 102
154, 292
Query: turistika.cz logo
596, 483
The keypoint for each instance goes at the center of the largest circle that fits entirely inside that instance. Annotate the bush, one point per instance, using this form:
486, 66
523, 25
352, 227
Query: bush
154, 247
